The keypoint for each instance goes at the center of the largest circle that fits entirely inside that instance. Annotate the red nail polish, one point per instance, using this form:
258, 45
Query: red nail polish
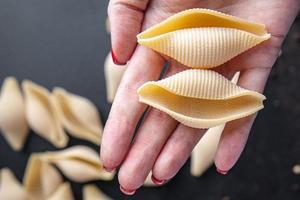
157, 181
223, 172
113, 55
109, 169
127, 192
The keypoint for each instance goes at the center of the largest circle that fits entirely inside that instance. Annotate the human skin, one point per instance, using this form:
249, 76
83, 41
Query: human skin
161, 144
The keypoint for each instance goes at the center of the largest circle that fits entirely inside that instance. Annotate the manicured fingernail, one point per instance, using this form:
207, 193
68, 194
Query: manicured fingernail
113, 55
157, 181
127, 192
223, 172
109, 169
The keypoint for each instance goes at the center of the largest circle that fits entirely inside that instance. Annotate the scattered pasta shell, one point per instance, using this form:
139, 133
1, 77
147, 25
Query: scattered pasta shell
202, 38
12, 114
41, 115
63, 192
200, 98
41, 179
10, 187
79, 164
113, 75
78, 115
92, 192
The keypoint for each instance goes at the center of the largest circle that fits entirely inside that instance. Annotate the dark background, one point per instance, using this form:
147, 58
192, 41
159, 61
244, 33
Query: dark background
64, 43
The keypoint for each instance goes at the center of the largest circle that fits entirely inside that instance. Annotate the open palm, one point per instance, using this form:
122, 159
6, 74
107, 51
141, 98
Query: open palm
161, 144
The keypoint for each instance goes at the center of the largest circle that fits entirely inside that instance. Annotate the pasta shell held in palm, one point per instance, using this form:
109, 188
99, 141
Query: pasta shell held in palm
10, 187
79, 164
63, 192
148, 182
12, 114
113, 75
204, 152
78, 115
41, 115
202, 38
92, 192
200, 98
41, 179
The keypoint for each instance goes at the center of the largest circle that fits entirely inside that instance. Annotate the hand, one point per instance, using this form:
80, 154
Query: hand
161, 144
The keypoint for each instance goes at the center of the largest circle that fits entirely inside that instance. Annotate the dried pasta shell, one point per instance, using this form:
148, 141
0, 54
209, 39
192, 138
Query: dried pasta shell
113, 75
12, 114
148, 182
41, 115
200, 98
10, 187
202, 38
41, 179
107, 25
63, 192
79, 164
92, 192
78, 115
204, 152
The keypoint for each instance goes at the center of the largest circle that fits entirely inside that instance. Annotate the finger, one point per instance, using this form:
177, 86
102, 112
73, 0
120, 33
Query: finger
235, 134
123, 14
149, 140
126, 109
176, 152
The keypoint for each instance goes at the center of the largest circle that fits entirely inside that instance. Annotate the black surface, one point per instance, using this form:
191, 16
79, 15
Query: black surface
64, 43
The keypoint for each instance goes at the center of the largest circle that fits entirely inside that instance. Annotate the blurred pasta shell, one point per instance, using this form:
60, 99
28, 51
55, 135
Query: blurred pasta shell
148, 182
113, 75
41, 115
78, 115
79, 164
41, 179
12, 114
203, 154
92, 192
10, 187
202, 38
200, 98
63, 192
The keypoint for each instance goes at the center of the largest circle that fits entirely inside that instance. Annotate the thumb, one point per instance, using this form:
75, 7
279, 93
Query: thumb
126, 17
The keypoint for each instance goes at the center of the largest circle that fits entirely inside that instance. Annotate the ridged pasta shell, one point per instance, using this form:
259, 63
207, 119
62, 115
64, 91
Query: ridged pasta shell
200, 98
10, 187
202, 38
41, 179
41, 115
63, 192
79, 164
204, 152
113, 75
78, 115
12, 114
92, 192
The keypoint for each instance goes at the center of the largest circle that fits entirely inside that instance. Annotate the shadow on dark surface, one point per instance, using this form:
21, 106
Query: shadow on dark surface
64, 43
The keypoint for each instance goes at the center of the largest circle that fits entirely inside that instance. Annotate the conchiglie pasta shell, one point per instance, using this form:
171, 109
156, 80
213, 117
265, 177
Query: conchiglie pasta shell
200, 98
79, 164
12, 114
10, 187
92, 192
78, 115
41, 115
63, 192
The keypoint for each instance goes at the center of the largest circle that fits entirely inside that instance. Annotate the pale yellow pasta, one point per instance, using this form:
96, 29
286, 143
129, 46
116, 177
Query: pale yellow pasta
41, 115
79, 164
63, 192
113, 75
92, 192
202, 38
10, 187
148, 182
200, 98
13, 122
78, 115
41, 179
107, 25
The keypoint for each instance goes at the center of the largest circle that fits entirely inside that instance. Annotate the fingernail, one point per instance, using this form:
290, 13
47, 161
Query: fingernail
223, 172
157, 181
109, 169
113, 55
127, 192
